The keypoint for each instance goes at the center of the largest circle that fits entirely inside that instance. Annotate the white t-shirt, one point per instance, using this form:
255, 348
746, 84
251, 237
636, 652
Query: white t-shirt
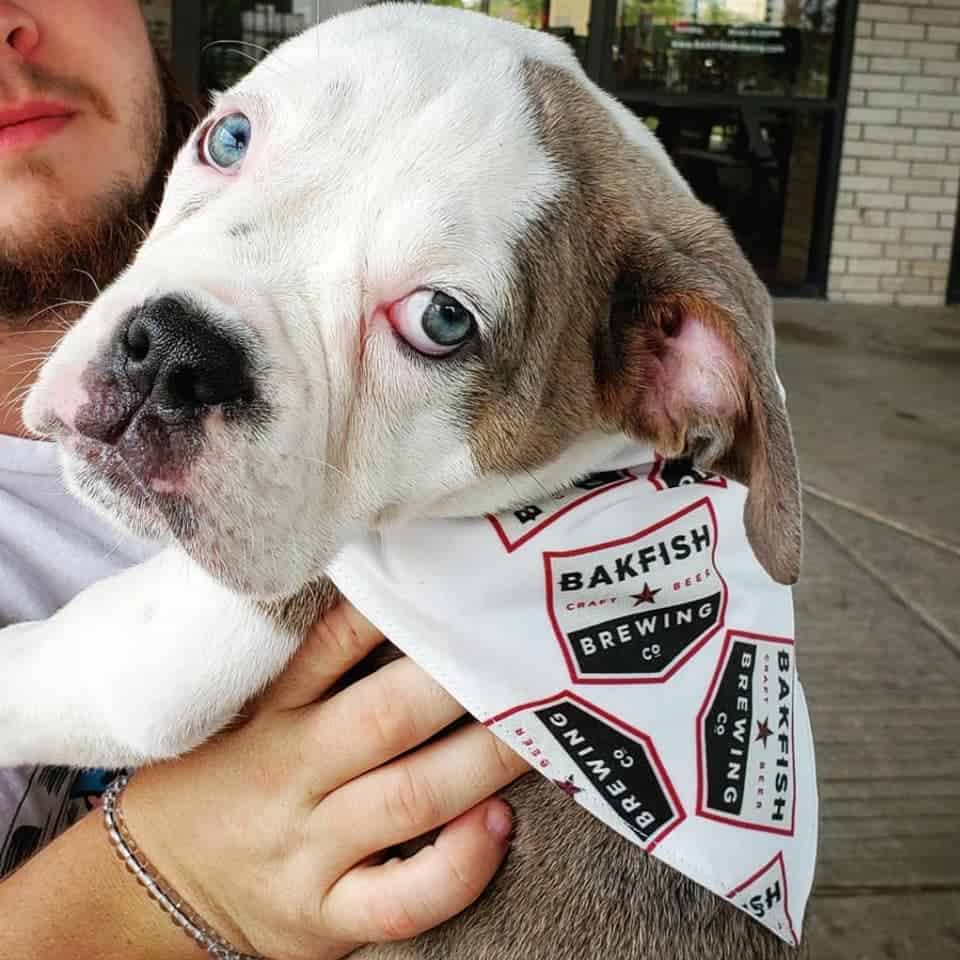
51, 548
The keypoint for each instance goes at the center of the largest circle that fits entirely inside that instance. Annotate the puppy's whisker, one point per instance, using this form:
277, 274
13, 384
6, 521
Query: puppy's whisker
31, 361
512, 486
236, 43
33, 333
90, 277
115, 549
25, 356
139, 226
66, 303
536, 480
246, 56
232, 46
16, 396
320, 463
64, 323
54, 307
22, 385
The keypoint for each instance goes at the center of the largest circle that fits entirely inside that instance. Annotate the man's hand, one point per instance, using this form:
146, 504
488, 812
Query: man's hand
272, 831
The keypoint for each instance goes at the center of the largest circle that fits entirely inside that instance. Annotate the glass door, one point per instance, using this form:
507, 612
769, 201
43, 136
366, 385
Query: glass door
748, 96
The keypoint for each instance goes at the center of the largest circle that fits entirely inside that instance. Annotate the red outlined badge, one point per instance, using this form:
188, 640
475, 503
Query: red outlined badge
599, 754
516, 527
668, 474
746, 753
764, 896
634, 610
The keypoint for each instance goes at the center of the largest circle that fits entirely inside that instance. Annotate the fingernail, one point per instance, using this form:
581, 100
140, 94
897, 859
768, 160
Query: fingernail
499, 820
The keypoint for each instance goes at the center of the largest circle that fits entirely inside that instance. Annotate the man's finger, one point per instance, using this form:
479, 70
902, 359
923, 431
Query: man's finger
336, 642
403, 898
371, 722
417, 793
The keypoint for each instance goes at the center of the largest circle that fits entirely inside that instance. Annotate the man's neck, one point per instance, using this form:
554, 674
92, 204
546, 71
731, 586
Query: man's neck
22, 351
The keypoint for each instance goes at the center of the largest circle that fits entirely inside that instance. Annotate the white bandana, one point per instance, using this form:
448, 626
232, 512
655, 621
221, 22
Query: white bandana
622, 637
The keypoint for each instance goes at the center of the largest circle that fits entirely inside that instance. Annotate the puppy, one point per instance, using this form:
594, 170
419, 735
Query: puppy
414, 265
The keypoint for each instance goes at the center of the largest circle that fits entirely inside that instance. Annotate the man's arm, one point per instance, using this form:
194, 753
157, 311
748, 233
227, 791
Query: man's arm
141, 666
77, 892
287, 795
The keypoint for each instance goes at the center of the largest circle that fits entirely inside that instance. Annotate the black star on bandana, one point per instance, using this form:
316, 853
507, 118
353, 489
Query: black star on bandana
646, 595
568, 786
763, 730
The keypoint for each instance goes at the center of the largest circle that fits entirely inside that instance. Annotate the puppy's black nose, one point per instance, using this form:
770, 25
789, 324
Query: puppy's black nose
173, 355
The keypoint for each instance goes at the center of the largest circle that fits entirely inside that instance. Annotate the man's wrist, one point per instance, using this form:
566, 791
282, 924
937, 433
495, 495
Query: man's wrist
151, 828
77, 894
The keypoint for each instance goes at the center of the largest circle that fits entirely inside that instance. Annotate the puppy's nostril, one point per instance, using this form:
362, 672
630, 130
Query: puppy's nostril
138, 342
173, 354
207, 385
182, 386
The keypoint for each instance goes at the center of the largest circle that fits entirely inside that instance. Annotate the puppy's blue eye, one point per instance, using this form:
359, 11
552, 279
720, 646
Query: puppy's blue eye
226, 142
446, 322
432, 322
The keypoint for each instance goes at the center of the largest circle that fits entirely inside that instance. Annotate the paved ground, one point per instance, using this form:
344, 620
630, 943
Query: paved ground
874, 394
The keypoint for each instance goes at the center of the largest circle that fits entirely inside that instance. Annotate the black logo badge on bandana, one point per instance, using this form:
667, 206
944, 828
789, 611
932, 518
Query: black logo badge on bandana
668, 474
745, 739
635, 610
516, 527
764, 896
598, 757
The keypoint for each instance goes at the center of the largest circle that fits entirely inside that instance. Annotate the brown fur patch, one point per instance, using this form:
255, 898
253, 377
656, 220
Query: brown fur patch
295, 615
559, 365
571, 888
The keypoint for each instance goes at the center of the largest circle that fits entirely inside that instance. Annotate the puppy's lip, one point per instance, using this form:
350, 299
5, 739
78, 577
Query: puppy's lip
92, 451
116, 472
48, 427
95, 453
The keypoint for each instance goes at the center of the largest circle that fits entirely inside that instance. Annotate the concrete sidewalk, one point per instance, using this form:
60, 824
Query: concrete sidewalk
874, 393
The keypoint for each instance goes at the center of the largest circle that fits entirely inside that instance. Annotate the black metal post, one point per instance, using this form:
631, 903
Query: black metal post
831, 147
187, 20
602, 26
953, 279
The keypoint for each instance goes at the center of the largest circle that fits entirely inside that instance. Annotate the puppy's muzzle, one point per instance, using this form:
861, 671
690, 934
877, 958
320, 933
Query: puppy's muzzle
168, 360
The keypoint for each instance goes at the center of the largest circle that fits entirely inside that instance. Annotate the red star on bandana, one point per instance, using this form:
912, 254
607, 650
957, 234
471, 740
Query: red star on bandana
763, 730
568, 786
646, 595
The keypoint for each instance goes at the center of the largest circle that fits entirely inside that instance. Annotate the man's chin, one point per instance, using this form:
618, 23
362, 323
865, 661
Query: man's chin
81, 248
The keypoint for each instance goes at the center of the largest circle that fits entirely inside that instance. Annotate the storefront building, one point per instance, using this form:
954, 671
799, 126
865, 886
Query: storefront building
827, 133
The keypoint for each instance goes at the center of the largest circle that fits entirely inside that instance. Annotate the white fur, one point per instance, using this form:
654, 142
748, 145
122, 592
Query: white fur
146, 664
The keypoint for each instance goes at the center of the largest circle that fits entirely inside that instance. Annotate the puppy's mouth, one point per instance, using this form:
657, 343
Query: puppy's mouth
144, 480
154, 451
147, 423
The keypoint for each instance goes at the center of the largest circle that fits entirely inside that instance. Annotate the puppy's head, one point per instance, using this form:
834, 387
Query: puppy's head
413, 264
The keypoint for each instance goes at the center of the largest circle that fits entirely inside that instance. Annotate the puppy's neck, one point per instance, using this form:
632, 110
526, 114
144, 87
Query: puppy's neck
494, 493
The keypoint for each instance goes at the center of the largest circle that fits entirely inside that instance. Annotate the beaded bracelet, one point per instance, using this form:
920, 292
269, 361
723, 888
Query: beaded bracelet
157, 888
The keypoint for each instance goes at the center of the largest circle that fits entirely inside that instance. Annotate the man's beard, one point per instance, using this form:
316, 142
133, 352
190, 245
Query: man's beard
68, 262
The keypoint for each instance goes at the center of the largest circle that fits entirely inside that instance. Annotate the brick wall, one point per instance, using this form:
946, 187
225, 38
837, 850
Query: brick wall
897, 198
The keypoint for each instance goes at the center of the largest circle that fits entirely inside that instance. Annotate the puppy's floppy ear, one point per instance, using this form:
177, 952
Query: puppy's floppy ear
684, 359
